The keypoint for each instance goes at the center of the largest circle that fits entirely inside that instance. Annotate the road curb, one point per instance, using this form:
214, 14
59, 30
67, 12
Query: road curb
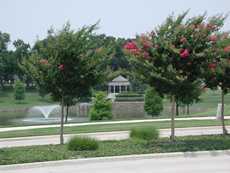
213, 153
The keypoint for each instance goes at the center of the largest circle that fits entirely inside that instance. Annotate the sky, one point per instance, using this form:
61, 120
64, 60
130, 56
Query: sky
29, 20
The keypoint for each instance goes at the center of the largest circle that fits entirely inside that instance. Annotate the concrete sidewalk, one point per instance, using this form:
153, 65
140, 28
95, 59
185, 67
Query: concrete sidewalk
104, 123
189, 162
116, 135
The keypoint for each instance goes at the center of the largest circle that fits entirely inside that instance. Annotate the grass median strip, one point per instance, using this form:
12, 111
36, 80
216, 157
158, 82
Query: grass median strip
108, 128
113, 148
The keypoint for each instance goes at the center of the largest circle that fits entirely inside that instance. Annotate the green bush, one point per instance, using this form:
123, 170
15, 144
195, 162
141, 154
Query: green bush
82, 143
19, 90
153, 102
102, 107
144, 133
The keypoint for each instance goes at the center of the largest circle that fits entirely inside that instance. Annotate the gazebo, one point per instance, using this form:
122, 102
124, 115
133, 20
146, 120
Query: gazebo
118, 85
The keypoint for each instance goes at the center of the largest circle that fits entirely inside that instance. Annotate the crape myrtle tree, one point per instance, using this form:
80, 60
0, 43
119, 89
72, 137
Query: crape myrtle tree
172, 57
68, 65
218, 69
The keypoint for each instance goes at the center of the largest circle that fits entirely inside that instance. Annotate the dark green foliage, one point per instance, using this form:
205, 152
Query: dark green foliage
102, 107
82, 143
124, 99
19, 90
193, 143
153, 102
113, 148
129, 94
193, 96
145, 133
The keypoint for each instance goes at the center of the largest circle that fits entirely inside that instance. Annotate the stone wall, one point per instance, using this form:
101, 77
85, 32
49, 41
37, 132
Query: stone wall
134, 109
128, 109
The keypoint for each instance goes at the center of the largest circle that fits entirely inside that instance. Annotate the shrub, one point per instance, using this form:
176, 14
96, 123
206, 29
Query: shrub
82, 143
19, 90
102, 107
144, 133
153, 102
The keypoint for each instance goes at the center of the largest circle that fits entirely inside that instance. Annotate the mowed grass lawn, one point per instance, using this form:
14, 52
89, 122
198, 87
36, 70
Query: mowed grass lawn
108, 128
206, 107
32, 98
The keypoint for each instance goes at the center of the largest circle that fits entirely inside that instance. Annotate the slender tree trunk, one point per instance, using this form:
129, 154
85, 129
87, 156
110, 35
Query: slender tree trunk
67, 114
222, 113
62, 122
188, 109
177, 109
172, 137
184, 109
1, 84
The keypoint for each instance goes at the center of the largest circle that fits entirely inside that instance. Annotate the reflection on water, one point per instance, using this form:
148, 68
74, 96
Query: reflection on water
33, 121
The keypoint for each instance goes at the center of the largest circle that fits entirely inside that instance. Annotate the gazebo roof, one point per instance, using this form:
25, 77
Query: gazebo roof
119, 80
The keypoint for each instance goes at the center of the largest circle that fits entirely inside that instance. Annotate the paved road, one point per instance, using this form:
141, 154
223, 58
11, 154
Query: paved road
117, 135
173, 164
5, 129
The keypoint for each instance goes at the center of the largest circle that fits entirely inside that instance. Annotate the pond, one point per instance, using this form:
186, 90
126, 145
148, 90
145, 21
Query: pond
33, 116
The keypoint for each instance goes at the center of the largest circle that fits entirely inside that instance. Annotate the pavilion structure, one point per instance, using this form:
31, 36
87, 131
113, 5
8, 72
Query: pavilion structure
118, 85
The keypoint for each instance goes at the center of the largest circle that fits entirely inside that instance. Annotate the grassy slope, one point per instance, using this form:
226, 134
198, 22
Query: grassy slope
206, 107
7, 100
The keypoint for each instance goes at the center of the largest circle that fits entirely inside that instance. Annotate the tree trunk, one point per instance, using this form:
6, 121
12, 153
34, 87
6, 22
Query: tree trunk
184, 109
62, 122
1, 84
177, 109
225, 132
67, 114
172, 137
188, 110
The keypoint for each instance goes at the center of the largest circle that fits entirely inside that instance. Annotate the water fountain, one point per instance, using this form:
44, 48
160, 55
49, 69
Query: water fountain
45, 110
43, 114
51, 114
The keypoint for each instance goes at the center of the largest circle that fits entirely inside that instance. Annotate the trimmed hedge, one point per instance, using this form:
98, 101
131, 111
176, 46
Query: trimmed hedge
129, 99
145, 133
129, 95
82, 143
